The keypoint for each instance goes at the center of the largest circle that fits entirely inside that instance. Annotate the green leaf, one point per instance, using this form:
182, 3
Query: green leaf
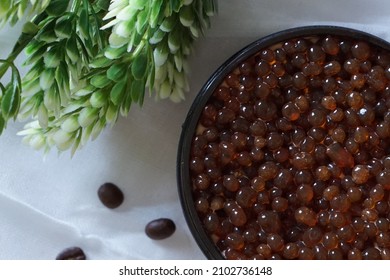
98, 99
118, 92
30, 28
157, 37
87, 116
174, 5
168, 24
155, 13
10, 103
116, 71
64, 27
53, 56
137, 91
57, 7
72, 50
142, 20
100, 81
2, 124
187, 15
84, 23
102, 4
139, 66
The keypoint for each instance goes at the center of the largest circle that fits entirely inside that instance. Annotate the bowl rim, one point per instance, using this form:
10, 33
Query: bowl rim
203, 240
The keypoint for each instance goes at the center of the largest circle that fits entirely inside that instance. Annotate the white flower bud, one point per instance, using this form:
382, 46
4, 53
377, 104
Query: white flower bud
71, 124
87, 116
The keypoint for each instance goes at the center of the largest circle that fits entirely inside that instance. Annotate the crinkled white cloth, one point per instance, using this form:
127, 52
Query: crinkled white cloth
49, 203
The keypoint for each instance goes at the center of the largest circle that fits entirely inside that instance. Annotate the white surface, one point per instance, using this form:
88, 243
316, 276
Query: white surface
47, 204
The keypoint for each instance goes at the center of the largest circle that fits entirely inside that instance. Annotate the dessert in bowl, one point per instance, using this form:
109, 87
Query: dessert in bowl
285, 152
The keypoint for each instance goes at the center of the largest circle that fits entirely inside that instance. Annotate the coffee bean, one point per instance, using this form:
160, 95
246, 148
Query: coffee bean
110, 195
71, 253
160, 228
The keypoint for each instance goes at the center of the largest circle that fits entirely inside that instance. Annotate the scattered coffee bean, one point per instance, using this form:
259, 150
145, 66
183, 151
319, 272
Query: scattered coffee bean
71, 253
160, 228
110, 195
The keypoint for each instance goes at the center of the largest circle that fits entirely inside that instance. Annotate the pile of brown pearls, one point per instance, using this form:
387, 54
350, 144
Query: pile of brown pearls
291, 157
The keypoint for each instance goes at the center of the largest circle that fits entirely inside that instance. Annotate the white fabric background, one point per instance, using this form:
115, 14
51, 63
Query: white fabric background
49, 203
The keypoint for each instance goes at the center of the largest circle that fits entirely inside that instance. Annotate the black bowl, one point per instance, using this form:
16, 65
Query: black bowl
189, 127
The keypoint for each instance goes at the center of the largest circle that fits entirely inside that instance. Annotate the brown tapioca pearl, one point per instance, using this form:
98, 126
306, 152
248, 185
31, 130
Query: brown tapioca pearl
263, 197
329, 102
377, 193
370, 230
306, 253
268, 170
316, 54
323, 173
264, 250
337, 115
380, 108
332, 68
222, 93
278, 69
300, 81
274, 141
358, 224
232, 80
265, 110
340, 203
312, 69
312, 236
317, 133
337, 219
351, 118
340, 156
330, 240
361, 51
275, 192
281, 155
196, 165
269, 221
318, 188
211, 223
382, 207
354, 194
231, 254
307, 145
262, 90
320, 253
386, 162
290, 111
339, 134
250, 235
301, 45
358, 80
248, 82
363, 156
320, 154
305, 193
383, 224
279, 204
247, 114
268, 55
246, 197
258, 184
371, 253
210, 162
249, 250
360, 174
368, 203
329, 85
303, 177
385, 253
336, 172
202, 205
272, 80
284, 125
256, 154
383, 239
376, 78
366, 115
246, 68
330, 45
355, 100
283, 179
225, 116
331, 192
297, 136
236, 214
234, 241
305, 216
231, 183
233, 105
275, 242
244, 158
258, 128
354, 254
290, 251
383, 130
335, 254
383, 178
217, 188
346, 233
202, 181
303, 160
